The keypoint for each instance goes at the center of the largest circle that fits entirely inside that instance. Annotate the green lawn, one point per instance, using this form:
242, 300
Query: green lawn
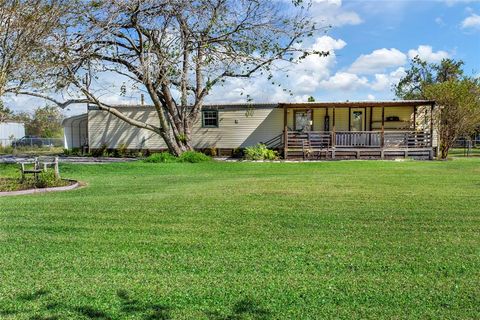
350, 239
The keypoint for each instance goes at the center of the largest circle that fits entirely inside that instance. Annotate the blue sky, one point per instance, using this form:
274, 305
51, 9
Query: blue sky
370, 42
406, 24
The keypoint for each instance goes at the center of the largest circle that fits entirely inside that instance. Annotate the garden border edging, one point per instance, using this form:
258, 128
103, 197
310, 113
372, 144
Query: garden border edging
75, 185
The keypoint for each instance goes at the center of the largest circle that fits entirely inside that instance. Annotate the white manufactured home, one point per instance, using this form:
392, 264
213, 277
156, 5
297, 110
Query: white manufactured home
10, 131
361, 129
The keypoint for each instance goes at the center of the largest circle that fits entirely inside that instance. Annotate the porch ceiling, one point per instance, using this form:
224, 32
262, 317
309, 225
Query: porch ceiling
350, 104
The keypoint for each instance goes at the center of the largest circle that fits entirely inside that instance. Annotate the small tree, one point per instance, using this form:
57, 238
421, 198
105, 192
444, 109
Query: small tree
422, 73
5, 113
46, 122
459, 102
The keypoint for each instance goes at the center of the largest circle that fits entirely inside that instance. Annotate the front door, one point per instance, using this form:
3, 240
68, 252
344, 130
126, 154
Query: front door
357, 120
303, 120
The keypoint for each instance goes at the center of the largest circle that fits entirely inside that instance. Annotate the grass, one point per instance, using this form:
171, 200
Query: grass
31, 151
352, 239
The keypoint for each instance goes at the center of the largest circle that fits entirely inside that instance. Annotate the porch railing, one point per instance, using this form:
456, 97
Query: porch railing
359, 139
356, 139
408, 139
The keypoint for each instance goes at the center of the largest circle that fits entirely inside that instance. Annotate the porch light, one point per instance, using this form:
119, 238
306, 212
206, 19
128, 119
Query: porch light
311, 122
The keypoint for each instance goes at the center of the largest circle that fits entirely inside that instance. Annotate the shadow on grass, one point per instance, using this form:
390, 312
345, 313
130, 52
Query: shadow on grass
244, 309
92, 313
31, 296
42, 307
39, 306
132, 306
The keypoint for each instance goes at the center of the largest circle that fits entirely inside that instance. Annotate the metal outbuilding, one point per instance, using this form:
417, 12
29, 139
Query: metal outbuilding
75, 133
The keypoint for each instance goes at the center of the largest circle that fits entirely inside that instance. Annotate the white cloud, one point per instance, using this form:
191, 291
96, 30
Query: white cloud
454, 2
384, 82
378, 61
337, 3
426, 53
371, 97
303, 78
348, 18
439, 21
331, 12
344, 81
470, 22
328, 43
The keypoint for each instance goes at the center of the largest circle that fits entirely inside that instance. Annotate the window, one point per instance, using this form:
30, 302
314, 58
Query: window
210, 119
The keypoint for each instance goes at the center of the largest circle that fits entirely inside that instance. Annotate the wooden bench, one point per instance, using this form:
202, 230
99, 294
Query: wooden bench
40, 164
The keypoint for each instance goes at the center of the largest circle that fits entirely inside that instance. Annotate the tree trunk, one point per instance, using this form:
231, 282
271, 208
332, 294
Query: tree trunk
444, 148
176, 145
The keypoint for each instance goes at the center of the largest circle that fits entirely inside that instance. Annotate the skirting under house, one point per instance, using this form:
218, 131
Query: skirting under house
313, 130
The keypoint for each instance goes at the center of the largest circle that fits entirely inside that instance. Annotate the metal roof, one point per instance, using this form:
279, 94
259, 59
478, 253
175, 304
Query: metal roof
319, 104
340, 104
73, 118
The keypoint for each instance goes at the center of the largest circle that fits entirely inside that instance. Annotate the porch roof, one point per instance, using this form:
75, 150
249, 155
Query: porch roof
350, 104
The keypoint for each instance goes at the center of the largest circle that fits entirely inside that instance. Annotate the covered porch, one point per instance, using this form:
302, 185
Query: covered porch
374, 129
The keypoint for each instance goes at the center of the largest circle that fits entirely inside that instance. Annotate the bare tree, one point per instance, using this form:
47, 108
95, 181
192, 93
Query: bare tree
176, 51
26, 26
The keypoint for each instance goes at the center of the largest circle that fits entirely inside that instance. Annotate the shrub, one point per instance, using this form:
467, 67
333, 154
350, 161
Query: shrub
101, 152
193, 157
122, 150
238, 153
47, 179
260, 152
189, 156
162, 157
6, 149
212, 151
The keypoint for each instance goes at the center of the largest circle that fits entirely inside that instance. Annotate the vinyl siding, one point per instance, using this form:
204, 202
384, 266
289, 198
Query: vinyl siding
238, 127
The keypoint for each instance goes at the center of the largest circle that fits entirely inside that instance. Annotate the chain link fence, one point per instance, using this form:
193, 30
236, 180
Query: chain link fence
467, 143
25, 143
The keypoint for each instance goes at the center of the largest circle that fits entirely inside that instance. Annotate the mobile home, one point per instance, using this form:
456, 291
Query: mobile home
313, 130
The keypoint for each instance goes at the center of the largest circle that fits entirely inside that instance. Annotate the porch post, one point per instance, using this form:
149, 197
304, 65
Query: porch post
431, 125
349, 119
383, 131
415, 118
371, 119
285, 131
334, 138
